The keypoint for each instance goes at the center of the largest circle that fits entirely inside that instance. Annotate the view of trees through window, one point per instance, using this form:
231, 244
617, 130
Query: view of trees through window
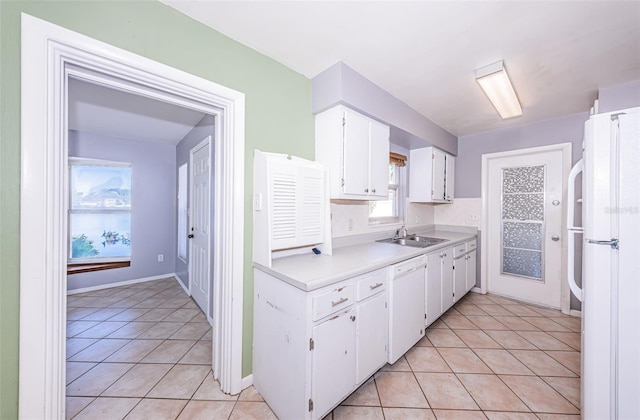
100, 211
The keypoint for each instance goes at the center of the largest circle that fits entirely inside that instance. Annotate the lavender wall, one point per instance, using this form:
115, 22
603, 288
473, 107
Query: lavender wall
341, 84
203, 129
153, 213
471, 148
619, 97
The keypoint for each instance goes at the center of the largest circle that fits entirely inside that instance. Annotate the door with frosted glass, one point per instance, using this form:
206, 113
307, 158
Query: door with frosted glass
525, 226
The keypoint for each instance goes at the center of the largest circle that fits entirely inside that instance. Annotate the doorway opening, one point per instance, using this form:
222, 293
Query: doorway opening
44, 187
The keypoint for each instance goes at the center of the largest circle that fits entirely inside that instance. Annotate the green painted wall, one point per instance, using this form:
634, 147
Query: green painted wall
278, 119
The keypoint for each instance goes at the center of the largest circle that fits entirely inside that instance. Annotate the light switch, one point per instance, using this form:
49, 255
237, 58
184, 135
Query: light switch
257, 202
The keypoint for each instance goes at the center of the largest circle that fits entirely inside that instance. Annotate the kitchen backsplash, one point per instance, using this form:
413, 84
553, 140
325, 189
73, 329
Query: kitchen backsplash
462, 212
350, 217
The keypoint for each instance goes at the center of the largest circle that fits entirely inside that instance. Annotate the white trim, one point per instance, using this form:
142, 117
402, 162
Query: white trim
186, 289
247, 381
576, 313
565, 148
120, 283
50, 54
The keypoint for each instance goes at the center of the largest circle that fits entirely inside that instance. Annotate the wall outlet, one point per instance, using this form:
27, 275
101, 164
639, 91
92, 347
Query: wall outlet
350, 225
417, 220
160, 257
474, 217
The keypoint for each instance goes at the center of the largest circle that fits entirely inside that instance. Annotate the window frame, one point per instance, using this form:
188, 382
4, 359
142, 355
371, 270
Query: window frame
399, 187
79, 265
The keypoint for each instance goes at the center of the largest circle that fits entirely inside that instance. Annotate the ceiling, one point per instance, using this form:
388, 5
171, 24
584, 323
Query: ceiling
558, 53
101, 110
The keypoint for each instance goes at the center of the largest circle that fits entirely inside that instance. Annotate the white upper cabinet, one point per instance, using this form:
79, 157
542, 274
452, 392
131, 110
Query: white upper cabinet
355, 148
431, 175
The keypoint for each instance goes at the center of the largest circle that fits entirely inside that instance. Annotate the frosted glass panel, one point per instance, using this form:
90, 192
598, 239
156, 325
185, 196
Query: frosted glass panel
522, 262
523, 221
523, 207
523, 180
522, 235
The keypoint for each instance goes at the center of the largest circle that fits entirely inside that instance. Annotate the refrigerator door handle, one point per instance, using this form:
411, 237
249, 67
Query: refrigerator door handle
613, 243
572, 230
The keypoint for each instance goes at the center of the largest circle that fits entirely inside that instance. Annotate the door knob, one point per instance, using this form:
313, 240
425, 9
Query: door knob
555, 238
190, 236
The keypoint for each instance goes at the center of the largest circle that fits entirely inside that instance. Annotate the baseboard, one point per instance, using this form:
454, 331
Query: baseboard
476, 290
247, 381
181, 283
576, 313
121, 283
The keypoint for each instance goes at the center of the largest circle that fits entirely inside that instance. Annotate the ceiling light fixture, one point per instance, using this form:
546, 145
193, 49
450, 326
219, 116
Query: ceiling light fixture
494, 81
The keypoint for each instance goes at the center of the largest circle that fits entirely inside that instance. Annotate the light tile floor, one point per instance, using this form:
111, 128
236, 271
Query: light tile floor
144, 352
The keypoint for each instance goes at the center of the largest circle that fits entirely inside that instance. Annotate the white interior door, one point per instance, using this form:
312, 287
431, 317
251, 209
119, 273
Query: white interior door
199, 232
524, 216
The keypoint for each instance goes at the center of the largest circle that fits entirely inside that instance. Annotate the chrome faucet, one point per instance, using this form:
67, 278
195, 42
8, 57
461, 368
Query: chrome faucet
400, 231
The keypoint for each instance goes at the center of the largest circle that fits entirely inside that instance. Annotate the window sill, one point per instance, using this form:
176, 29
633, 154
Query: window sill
88, 267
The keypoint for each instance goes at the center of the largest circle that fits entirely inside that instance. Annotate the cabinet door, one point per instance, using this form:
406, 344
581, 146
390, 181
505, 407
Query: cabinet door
379, 161
471, 270
371, 336
333, 367
356, 154
449, 177
447, 279
433, 287
459, 278
438, 181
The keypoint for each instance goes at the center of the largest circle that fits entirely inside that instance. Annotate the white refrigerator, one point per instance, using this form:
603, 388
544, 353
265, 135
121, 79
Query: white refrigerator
610, 291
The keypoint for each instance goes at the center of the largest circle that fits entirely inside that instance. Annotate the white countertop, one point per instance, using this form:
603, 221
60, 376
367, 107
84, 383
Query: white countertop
309, 271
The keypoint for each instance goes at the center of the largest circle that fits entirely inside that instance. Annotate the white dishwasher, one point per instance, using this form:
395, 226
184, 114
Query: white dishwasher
406, 305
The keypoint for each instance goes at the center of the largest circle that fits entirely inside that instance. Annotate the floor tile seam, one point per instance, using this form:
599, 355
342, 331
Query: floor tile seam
107, 387
561, 394
567, 367
477, 329
456, 375
419, 386
542, 351
553, 389
469, 348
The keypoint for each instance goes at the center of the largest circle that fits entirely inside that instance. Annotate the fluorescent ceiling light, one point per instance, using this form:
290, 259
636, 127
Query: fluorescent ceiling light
494, 81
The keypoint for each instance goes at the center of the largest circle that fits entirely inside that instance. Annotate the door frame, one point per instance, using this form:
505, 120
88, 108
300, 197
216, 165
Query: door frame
565, 148
48, 55
194, 149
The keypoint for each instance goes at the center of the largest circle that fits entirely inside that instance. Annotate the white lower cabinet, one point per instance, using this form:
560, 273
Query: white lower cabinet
464, 264
371, 336
312, 349
439, 290
333, 356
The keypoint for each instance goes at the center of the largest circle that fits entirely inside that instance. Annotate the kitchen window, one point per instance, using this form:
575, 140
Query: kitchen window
391, 210
99, 215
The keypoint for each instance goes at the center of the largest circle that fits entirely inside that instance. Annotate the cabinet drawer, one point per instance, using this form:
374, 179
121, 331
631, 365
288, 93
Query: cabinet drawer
371, 284
459, 250
471, 245
333, 301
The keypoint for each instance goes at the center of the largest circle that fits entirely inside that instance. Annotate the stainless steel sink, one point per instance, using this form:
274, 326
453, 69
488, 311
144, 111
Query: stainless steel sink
414, 241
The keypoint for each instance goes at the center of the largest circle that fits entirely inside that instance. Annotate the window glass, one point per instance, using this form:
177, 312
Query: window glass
389, 211
99, 212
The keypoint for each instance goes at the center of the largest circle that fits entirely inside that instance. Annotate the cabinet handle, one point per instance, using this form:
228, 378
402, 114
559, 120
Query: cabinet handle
342, 300
353, 318
366, 190
373, 190
375, 286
